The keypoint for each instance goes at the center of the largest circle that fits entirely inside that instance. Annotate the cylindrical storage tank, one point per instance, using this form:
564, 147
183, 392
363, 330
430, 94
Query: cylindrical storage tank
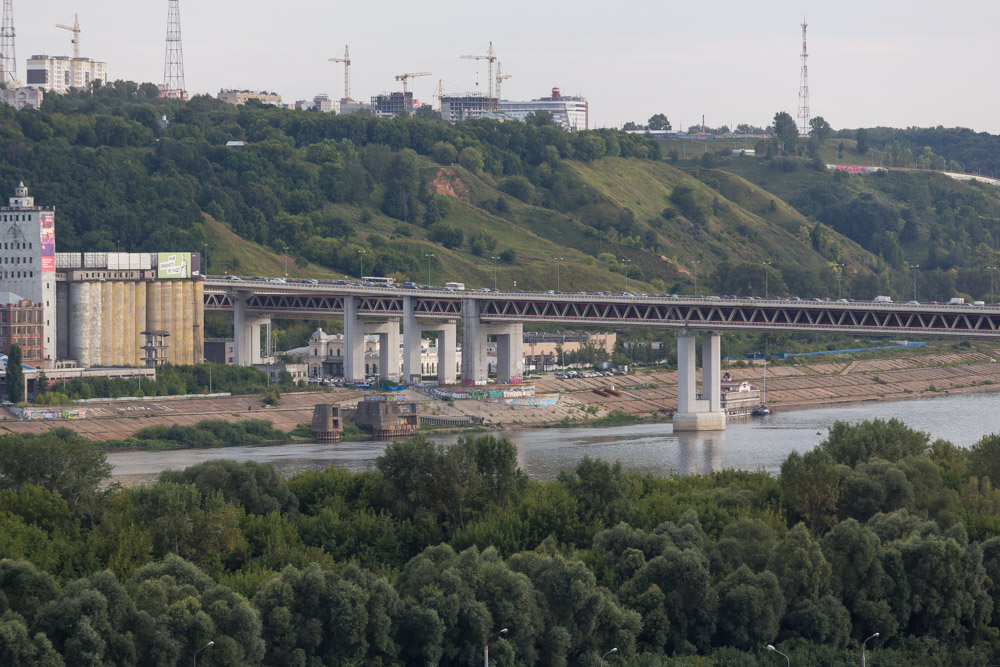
140, 322
62, 321
128, 324
167, 317
199, 322
107, 324
119, 329
178, 314
76, 325
188, 308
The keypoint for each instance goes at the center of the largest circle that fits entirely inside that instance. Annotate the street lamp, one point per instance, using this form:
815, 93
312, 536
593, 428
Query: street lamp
286, 261
767, 269
486, 647
194, 658
205, 270
696, 263
913, 270
863, 648
557, 259
992, 270
494, 258
840, 281
626, 262
428, 256
361, 258
614, 650
770, 647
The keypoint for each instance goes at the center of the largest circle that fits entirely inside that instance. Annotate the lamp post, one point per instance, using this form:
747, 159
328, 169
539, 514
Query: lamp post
205, 270
614, 650
770, 647
696, 263
494, 258
626, 262
361, 258
767, 270
992, 270
486, 647
913, 271
286, 261
428, 256
840, 281
863, 648
194, 658
557, 259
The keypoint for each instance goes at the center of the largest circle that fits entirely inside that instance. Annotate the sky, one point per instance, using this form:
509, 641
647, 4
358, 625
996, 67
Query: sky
878, 62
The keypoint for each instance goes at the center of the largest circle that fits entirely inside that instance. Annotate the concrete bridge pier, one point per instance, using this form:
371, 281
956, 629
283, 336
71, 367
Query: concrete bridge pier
355, 330
246, 331
510, 347
413, 330
693, 413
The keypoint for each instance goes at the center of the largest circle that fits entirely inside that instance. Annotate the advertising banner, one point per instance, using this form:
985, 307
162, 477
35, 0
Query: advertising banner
173, 265
47, 223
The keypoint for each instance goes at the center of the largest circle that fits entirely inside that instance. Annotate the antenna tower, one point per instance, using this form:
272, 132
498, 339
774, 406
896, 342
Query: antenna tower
8, 59
804, 86
173, 63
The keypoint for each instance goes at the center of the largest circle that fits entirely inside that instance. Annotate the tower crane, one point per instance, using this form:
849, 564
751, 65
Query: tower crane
439, 93
75, 29
347, 71
500, 79
491, 58
409, 75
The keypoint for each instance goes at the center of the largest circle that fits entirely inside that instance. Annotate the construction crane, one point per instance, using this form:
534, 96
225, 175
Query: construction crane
409, 75
347, 71
439, 93
500, 79
75, 29
491, 58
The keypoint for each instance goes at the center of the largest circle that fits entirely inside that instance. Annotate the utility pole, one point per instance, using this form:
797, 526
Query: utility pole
804, 85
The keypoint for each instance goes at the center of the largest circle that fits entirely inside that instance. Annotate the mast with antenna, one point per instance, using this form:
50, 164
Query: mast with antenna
173, 62
8, 59
804, 86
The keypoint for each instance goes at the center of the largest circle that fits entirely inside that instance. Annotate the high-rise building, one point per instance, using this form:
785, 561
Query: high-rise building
457, 108
55, 74
569, 111
390, 105
27, 265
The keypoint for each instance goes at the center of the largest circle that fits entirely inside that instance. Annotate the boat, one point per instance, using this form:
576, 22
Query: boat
763, 410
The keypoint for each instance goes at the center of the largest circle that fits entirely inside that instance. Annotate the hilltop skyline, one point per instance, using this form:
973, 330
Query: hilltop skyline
716, 59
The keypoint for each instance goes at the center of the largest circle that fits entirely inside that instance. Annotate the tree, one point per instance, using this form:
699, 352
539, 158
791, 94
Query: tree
820, 128
890, 440
257, 488
472, 159
750, 609
15, 375
810, 487
785, 132
658, 121
861, 136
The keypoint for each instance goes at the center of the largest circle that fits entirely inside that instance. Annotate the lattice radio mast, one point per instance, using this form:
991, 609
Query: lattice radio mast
173, 64
8, 59
804, 86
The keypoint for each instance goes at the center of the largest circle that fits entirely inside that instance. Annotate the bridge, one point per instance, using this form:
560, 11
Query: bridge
380, 310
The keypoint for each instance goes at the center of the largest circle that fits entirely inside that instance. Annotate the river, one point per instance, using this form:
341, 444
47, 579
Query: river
748, 443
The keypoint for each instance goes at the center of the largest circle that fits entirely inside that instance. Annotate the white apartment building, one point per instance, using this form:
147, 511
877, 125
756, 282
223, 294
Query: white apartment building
60, 74
570, 112
27, 260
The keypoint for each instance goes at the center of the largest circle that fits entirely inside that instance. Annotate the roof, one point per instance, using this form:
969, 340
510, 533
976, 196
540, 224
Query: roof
10, 297
3, 364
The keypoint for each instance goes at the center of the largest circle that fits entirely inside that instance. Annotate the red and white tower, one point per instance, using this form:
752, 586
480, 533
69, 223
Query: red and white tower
804, 87
173, 63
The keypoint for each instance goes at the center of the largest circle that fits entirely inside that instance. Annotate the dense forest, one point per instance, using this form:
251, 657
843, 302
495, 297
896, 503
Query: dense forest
426, 557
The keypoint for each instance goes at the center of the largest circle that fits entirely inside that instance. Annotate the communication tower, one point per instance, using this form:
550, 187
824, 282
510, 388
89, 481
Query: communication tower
804, 86
173, 63
8, 59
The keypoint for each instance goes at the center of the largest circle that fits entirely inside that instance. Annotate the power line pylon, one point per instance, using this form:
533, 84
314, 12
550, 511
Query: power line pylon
804, 86
8, 59
173, 62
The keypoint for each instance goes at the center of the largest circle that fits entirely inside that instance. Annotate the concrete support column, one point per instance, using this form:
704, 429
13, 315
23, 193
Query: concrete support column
711, 370
241, 349
510, 353
447, 359
686, 368
412, 341
388, 351
474, 363
694, 414
354, 342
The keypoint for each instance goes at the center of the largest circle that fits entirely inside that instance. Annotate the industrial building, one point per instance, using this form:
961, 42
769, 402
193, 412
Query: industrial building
60, 74
569, 112
21, 323
238, 97
458, 108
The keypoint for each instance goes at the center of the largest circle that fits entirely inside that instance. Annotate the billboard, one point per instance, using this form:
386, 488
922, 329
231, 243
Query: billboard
48, 228
173, 265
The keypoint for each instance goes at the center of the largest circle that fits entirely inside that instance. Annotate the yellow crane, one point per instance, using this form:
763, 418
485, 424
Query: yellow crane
491, 58
75, 29
409, 75
500, 79
439, 93
347, 71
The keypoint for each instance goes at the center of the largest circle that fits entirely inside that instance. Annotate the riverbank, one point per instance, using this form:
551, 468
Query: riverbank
646, 395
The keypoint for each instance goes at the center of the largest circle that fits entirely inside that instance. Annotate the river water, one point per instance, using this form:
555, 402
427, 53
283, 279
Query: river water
748, 443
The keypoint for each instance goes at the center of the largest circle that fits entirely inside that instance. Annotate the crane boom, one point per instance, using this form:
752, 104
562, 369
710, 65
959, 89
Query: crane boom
75, 29
500, 79
409, 75
491, 57
347, 71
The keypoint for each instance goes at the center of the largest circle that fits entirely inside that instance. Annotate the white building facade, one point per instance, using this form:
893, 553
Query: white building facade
572, 113
27, 260
60, 74
22, 98
325, 355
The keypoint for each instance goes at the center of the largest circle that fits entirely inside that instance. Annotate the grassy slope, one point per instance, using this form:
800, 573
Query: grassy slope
224, 245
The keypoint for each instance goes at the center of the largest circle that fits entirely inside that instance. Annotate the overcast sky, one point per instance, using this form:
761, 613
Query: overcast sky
872, 62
